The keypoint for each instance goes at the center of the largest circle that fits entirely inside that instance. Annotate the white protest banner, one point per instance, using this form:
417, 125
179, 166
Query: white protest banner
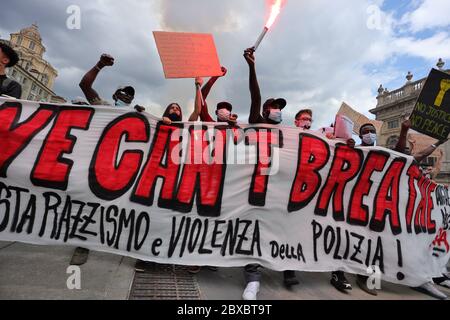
112, 180
187, 55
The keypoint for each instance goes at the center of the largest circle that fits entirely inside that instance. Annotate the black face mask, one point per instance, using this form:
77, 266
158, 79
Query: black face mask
174, 117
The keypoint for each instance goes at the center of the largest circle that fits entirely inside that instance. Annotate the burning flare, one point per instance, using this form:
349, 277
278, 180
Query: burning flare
274, 12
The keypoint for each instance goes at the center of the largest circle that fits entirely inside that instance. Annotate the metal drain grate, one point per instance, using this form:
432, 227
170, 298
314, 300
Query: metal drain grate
164, 282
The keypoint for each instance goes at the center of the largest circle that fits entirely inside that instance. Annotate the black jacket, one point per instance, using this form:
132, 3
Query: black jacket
12, 89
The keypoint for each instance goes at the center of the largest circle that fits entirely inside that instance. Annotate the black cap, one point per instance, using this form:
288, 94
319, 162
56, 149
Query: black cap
224, 105
281, 103
10, 53
128, 90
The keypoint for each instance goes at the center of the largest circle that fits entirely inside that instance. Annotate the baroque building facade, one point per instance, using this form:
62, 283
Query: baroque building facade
35, 74
393, 107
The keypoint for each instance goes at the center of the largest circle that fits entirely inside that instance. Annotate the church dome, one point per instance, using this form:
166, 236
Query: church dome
32, 32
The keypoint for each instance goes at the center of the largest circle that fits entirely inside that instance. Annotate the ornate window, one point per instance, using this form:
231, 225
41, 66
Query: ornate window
393, 124
45, 79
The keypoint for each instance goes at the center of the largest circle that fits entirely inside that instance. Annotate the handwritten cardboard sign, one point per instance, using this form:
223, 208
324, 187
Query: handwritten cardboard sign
431, 115
187, 55
358, 118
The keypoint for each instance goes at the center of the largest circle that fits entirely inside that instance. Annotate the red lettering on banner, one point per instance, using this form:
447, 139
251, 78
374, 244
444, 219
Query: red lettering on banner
431, 224
15, 136
387, 198
265, 140
166, 145
419, 220
441, 238
51, 169
358, 212
413, 175
423, 222
110, 178
313, 155
346, 165
200, 178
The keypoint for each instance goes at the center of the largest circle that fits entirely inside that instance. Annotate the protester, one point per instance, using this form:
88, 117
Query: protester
123, 96
272, 108
418, 156
8, 59
271, 114
223, 109
223, 113
429, 171
368, 136
173, 113
304, 119
427, 288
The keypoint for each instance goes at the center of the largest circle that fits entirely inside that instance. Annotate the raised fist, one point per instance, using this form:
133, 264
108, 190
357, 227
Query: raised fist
199, 81
249, 55
224, 71
106, 61
406, 125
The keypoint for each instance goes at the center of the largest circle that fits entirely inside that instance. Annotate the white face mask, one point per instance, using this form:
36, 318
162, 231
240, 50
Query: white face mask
276, 116
369, 139
223, 115
304, 124
120, 103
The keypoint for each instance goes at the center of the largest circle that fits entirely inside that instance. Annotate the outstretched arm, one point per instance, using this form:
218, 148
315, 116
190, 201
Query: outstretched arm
89, 78
255, 109
422, 155
207, 87
204, 114
198, 100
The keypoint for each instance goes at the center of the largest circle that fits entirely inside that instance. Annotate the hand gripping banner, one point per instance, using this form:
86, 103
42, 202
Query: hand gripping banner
113, 180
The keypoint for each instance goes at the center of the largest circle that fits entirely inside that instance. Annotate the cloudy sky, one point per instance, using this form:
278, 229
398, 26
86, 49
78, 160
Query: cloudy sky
319, 53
